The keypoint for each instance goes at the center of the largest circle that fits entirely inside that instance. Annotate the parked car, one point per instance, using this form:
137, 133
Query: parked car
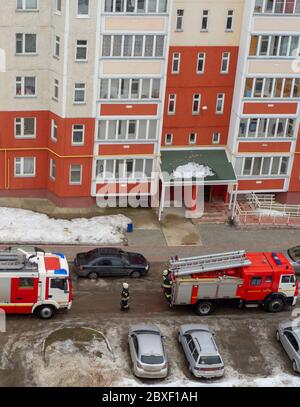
110, 262
289, 335
201, 351
293, 255
147, 351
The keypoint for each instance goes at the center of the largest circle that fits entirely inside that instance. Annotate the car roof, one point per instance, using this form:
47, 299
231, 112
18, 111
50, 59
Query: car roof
204, 341
105, 251
150, 344
143, 327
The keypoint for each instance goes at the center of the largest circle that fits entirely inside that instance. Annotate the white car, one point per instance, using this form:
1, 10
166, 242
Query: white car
201, 351
147, 351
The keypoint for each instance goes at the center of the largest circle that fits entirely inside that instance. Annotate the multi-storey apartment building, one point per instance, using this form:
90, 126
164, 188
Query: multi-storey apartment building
98, 96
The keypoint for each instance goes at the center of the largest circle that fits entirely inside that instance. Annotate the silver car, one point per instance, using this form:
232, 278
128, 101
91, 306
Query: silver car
147, 351
288, 334
293, 255
201, 351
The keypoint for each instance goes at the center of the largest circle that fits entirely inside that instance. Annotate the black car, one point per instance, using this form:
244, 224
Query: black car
110, 262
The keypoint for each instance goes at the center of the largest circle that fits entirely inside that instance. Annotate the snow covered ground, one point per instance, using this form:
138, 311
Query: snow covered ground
24, 226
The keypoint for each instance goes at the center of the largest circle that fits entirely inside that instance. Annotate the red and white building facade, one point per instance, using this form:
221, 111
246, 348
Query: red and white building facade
92, 92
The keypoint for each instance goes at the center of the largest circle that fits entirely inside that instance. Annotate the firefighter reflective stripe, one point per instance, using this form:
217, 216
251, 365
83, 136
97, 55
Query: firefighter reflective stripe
167, 283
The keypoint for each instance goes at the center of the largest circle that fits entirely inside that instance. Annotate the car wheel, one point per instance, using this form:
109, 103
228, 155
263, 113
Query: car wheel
204, 308
276, 305
46, 312
295, 368
277, 336
179, 337
135, 274
93, 275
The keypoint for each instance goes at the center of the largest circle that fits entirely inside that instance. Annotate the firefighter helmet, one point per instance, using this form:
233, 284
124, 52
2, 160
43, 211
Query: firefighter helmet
125, 286
165, 273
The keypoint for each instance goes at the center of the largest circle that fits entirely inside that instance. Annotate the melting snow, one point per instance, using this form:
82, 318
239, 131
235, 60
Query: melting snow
24, 226
192, 170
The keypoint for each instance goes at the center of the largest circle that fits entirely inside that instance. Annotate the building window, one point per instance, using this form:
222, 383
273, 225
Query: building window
79, 94
176, 63
52, 169
277, 6
274, 46
28, 5
225, 62
83, 8
201, 62
25, 166
124, 169
262, 166
265, 127
135, 6
26, 44
25, 86
204, 24
169, 138
172, 104
127, 88
56, 46
220, 103
78, 134
75, 174
196, 103
25, 127
58, 6
56, 89
120, 130
54, 130
133, 45
272, 88
81, 50
216, 138
192, 138
179, 20
229, 21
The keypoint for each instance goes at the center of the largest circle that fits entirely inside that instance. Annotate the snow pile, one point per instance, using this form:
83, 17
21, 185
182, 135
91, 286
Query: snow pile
270, 212
24, 226
191, 170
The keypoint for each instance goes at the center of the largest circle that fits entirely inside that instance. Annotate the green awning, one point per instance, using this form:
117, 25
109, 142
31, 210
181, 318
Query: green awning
215, 159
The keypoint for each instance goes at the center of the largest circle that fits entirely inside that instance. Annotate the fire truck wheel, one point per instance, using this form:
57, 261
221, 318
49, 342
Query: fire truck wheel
276, 305
46, 312
93, 276
295, 368
204, 308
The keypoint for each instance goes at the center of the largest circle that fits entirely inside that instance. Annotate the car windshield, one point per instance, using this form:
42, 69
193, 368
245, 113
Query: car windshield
294, 253
152, 359
210, 360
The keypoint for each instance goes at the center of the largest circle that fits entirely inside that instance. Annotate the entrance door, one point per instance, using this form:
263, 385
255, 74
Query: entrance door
24, 292
59, 290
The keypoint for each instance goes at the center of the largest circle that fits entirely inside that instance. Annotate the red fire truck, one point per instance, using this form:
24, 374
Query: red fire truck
34, 283
248, 279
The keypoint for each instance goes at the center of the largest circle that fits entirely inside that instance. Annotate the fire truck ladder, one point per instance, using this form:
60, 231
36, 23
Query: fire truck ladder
211, 262
11, 261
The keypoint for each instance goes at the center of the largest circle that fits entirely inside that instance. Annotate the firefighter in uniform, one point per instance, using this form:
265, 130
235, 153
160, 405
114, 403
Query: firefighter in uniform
125, 298
167, 285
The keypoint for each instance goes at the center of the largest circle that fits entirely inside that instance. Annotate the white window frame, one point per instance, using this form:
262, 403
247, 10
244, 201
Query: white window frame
220, 97
79, 15
216, 137
54, 129
190, 138
55, 90
57, 9
23, 44
21, 162
57, 47
205, 16
261, 175
167, 135
20, 121
172, 97
196, 99
226, 59
70, 174
75, 143
24, 8
52, 167
83, 47
176, 58
22, 84
179, 20
76, 88
201, 57
229, 18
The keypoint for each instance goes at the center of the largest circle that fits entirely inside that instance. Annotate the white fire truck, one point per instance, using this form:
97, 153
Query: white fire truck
248, 279
34, 283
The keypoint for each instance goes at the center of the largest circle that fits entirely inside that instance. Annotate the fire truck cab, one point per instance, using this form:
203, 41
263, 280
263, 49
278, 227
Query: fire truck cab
248, 279
34, 283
